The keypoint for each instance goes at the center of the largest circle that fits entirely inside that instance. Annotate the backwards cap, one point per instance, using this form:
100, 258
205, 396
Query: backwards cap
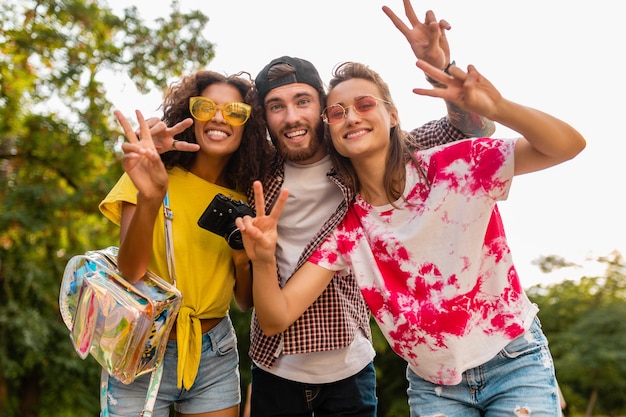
304, 73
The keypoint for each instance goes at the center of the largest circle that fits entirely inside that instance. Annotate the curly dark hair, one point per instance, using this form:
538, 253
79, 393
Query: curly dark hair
249, 161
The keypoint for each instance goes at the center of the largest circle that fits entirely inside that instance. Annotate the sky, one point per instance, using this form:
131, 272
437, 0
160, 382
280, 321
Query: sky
563, 57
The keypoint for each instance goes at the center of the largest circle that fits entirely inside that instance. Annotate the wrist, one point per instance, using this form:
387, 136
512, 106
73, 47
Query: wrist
447, 68
436, 83
264, 263
152, 199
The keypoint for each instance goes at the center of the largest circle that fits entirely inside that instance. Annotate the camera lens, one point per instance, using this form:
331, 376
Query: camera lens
234, 239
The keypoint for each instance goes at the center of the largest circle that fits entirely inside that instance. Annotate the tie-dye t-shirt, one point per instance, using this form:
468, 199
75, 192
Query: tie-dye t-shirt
436, 271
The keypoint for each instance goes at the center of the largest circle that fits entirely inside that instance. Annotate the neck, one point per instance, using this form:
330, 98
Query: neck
372, 182
316, 157
210, 169
372, 187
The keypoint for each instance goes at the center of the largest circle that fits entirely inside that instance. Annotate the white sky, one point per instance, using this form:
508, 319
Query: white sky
564, 57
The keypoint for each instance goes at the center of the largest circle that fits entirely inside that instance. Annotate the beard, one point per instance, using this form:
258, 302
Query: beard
303, 154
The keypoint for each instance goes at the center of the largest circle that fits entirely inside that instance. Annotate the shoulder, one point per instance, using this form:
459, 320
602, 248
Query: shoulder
466, 148
124, 191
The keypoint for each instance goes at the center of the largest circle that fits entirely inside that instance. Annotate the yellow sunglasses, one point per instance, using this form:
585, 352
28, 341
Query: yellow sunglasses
235, 114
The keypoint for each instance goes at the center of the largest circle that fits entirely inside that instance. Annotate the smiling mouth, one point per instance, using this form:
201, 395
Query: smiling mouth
355, 134
296, 134
216, 133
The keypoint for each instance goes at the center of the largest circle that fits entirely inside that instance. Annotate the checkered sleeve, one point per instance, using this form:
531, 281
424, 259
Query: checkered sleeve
433, 133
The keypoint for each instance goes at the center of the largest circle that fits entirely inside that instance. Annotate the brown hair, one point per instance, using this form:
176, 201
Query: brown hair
247, 162
399, 154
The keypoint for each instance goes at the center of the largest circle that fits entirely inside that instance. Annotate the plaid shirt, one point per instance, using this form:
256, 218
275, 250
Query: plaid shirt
332, 321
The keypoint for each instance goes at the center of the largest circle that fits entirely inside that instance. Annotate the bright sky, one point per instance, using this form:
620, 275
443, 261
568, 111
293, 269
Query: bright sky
561, 56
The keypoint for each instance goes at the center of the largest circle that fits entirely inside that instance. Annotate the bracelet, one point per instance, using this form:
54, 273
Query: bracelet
437, 83
447, 69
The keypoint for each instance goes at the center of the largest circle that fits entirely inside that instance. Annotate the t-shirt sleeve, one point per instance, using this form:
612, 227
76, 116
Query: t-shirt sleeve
493, 162
328, 256
123, 192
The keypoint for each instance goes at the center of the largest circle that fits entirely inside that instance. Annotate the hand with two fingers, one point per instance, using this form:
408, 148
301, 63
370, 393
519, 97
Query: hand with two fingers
163, 136
260, 233
470, 90
141, 161
427, 39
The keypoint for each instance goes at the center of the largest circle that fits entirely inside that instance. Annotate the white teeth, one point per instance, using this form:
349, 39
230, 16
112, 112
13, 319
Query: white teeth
353, 134
216, 133
296, 133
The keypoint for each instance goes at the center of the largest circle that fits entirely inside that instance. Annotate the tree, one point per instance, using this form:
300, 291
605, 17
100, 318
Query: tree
585, 321
57, 161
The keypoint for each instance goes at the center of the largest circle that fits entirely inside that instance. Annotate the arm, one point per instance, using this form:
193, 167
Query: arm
277, 308
143, 165
243, 280
429, 43
546, 141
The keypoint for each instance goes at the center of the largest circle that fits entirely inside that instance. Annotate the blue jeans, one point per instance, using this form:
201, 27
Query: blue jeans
216, 386
275, 396
519, 378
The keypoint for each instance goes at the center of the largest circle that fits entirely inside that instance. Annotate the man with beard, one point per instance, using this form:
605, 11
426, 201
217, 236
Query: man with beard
322, 365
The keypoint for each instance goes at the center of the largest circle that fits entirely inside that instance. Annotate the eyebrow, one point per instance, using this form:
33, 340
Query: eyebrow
296, 96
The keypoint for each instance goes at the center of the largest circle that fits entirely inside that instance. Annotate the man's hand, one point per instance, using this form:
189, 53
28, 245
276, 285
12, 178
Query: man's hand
428, 40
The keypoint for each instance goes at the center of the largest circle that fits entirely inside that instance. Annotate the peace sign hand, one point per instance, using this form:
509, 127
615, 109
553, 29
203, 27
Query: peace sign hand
141, 161
260, 233
470, 90
427, 39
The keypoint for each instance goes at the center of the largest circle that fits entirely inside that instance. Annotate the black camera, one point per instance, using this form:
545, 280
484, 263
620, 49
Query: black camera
219, 218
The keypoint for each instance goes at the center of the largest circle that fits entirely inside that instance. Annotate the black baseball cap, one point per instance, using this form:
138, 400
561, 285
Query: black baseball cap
304, 73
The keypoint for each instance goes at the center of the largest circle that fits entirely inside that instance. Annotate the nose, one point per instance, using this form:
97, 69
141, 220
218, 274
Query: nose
351, 114
219, 116
291, 114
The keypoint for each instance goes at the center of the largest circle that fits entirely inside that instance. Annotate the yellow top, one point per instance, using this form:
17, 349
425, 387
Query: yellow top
205, 271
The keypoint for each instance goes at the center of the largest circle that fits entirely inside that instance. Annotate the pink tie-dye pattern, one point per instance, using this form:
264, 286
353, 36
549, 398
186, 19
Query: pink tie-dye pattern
418, 319
483, 161
418, 308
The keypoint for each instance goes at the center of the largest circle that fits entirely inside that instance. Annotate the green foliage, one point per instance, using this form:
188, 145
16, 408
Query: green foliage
391, 383
241, 322
57, 161
585, 321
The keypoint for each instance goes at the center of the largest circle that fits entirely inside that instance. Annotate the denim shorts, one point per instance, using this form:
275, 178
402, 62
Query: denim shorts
519, 380
216, 386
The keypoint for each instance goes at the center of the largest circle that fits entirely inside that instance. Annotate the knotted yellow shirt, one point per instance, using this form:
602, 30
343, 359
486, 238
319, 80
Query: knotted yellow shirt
204, 268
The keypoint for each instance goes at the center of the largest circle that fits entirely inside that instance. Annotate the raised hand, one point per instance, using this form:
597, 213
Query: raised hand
260, 233
163, 136
141, 161
470, 90
428, 40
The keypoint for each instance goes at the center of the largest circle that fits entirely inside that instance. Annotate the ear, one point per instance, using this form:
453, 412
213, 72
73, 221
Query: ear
394, 119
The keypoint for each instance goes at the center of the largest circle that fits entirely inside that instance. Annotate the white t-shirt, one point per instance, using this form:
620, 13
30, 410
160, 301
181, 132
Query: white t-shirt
312, 199
436, 271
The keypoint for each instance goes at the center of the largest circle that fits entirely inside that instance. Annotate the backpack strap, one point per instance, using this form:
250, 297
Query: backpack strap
153, 391
157, 374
